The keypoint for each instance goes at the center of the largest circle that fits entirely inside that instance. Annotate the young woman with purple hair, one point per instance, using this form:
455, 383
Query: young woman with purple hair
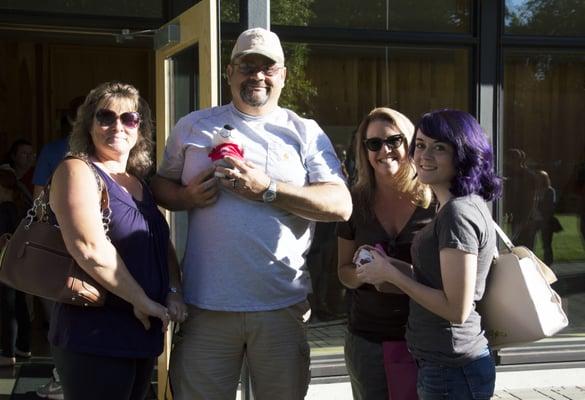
451, 259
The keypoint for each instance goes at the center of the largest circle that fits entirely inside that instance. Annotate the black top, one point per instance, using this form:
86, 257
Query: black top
373, 315
140, 234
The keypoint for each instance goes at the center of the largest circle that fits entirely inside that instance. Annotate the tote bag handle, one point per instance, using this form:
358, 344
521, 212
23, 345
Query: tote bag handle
505, 239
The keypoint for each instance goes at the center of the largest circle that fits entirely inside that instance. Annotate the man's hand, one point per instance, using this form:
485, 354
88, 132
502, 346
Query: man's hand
202, 190
245, 178
177, 307
318, 201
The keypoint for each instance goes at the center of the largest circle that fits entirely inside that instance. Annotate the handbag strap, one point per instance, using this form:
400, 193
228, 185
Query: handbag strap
522, 252
502, 235
40, 208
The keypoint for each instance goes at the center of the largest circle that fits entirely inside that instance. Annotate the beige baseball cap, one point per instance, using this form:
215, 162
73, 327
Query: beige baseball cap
259, 41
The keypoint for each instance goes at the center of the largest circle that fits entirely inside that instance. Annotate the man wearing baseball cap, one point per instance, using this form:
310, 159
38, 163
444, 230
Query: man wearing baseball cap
250, 227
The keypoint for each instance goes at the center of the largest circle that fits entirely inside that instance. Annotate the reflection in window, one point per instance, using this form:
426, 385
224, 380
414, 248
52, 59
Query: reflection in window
438, 16
117, 8
412, 80
544, 165
230, 10
393, 15
545, 17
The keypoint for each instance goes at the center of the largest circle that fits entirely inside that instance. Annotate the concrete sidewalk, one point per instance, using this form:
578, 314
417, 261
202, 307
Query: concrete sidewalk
342, 391
535, 384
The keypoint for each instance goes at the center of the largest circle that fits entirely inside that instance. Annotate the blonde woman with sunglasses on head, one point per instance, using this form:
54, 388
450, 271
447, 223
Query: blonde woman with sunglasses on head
390, 207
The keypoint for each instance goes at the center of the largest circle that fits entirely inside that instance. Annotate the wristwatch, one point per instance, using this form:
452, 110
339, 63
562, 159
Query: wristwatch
269, 194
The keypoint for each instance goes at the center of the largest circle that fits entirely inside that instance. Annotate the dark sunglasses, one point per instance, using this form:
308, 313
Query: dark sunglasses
266, 69
393, 142
106, 117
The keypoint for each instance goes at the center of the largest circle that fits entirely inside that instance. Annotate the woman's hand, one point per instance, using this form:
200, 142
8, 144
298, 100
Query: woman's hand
177, 307
152, 309
377, 271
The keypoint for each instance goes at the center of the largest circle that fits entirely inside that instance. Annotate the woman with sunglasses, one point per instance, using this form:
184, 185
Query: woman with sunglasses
451, 258
390, 206
109, 352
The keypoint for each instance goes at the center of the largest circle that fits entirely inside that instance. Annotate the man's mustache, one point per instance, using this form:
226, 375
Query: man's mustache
249, 83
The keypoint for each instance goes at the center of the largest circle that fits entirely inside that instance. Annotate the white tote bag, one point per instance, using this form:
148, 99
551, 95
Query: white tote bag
519, 305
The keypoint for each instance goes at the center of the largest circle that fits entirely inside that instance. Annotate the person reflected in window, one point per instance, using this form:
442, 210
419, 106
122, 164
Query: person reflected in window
544, 217
520, 194
451, 257
579, 190
390, 207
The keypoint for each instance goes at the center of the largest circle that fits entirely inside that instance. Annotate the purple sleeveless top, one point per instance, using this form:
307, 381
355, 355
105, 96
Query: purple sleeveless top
140, 234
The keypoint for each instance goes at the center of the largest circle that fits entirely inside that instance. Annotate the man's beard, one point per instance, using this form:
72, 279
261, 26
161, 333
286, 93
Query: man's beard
252, 99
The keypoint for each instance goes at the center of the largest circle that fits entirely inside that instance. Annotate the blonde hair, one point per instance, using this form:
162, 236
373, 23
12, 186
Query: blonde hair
81, 143
405, 181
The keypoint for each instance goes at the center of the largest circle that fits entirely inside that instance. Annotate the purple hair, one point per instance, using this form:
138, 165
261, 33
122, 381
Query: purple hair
473, 156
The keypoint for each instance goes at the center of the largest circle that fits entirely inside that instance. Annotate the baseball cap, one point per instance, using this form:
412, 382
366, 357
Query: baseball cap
259, 41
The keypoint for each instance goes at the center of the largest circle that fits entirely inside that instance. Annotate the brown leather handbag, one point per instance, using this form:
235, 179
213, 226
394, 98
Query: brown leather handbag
35, 260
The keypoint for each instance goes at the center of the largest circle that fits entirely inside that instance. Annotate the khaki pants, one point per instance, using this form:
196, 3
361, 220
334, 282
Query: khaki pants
208, 351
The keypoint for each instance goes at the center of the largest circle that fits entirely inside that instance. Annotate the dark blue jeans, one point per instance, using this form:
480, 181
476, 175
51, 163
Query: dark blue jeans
473, 381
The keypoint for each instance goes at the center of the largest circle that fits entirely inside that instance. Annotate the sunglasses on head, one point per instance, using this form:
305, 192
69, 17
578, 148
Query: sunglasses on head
267, 69
106, 117
393, 142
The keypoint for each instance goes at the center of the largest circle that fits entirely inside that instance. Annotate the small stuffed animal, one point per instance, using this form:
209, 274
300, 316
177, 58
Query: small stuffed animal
226, 143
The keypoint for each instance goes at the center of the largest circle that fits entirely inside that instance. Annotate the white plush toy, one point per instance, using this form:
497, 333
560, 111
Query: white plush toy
226, 143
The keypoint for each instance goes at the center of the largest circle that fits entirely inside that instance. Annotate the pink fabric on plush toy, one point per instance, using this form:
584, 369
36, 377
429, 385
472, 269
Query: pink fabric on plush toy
226, 149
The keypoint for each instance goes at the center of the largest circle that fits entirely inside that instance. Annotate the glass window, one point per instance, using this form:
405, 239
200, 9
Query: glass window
116, 8
230, 10
543, 150
393, 15
545, 17
412, 80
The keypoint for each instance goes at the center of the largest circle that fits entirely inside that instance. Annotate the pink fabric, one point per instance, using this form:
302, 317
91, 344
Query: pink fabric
401, 371
226, 149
